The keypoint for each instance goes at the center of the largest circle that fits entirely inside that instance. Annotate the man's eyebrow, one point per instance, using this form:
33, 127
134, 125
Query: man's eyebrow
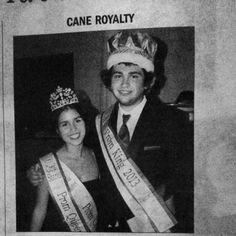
62, 121
115, 71
135, 72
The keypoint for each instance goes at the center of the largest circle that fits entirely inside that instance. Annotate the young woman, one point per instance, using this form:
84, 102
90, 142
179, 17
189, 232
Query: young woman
70, 189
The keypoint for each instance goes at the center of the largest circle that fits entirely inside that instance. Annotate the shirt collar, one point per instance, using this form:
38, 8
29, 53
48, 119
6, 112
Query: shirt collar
136, 111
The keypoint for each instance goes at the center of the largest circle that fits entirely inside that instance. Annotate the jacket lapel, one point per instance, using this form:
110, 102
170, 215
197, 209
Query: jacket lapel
141, 131
113, 118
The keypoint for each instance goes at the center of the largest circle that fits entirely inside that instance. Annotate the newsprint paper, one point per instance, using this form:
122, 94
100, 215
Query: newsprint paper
44, 43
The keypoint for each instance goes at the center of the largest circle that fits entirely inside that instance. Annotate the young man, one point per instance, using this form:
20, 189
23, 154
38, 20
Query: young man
142, 145
148, 148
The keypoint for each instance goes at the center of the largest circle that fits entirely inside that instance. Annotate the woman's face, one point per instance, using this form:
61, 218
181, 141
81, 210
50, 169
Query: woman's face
71, 127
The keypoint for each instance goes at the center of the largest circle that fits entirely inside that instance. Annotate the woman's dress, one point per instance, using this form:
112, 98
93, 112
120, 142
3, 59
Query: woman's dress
53, 221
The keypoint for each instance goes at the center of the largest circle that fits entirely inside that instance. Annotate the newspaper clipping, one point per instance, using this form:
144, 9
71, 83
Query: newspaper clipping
117, 117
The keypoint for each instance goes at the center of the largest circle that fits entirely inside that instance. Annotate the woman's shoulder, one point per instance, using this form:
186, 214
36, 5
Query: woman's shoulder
47, 156
88, 151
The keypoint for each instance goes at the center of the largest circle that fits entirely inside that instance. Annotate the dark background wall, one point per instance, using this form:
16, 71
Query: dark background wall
89, 54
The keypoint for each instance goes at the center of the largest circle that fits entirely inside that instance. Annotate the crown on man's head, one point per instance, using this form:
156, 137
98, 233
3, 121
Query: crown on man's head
62, 97
134, 47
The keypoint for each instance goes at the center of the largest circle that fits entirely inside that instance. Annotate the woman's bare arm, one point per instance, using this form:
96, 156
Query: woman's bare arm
40, 208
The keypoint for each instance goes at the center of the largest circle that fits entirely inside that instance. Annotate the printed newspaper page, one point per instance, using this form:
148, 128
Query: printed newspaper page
170, 65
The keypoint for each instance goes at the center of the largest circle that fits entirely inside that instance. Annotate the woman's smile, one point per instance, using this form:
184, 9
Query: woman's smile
71, 127
74, 136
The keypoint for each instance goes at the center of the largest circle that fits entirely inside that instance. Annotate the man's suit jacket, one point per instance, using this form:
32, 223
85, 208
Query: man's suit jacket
161, 146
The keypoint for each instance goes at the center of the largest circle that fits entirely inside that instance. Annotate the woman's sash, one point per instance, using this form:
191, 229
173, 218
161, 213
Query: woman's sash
150, 211
72, 198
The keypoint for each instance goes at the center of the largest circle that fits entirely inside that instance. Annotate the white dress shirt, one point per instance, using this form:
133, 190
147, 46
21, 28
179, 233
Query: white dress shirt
134, 116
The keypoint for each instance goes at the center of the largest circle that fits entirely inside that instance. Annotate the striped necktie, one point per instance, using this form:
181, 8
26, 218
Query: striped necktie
124, 132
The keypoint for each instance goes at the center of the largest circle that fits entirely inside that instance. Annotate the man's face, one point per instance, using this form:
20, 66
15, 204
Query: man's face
127, 85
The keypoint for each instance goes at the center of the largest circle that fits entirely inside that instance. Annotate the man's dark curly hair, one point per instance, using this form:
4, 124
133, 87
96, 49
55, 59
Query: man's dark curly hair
107, 74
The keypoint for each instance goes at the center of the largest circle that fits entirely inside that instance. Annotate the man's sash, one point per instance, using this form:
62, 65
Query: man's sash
150, 211
72, 198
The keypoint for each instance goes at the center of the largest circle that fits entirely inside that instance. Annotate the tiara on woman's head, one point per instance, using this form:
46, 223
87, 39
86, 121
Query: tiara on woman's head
62, 97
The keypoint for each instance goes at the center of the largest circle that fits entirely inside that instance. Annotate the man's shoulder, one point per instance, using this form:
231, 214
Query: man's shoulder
110, 108
164, 111
170, 120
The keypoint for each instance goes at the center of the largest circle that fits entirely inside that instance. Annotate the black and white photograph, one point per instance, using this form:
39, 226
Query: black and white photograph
117, 117
64, 83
